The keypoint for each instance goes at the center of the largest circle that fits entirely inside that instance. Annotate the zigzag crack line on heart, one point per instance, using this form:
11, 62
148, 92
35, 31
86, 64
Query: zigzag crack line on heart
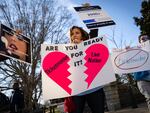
58, 67
95, 61
86, 73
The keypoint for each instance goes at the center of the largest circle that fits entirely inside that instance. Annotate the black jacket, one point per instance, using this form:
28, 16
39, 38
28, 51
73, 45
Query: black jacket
17, 101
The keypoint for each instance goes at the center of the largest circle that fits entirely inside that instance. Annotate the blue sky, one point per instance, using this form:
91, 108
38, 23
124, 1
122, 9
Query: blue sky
121, 11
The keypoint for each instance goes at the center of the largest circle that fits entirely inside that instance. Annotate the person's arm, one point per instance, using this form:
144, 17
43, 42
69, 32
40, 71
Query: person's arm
93, 33
140, 75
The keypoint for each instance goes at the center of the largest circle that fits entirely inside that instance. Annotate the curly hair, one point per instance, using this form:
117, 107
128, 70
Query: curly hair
85, 35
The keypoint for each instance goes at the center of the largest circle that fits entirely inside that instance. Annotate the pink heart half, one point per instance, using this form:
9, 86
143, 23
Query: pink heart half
96, 57
55, 65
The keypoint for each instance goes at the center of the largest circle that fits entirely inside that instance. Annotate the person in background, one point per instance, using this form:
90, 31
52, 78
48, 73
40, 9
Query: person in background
4, 103
16, 100
94, 97
143, 78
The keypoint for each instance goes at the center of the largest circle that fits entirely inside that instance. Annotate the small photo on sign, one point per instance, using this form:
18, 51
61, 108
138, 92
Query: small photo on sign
13, 44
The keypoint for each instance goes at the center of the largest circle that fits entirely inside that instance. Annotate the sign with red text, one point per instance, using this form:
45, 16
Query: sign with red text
133, 59
94, 17
69, 69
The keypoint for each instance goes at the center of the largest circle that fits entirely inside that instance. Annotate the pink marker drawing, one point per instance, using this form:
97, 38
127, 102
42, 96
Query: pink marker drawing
55, 65
96, 57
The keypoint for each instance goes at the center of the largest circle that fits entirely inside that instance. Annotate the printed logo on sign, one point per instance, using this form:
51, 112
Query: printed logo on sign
93, 14
139, 58
89, 21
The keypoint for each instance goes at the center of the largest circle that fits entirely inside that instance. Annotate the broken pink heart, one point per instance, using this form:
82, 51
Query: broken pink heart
96, 57
55, 65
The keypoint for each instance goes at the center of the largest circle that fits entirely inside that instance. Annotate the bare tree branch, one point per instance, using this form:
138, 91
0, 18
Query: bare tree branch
40, 20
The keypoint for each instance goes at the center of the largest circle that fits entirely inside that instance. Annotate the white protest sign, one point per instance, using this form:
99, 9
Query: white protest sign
94, 16
69, 69
132, 59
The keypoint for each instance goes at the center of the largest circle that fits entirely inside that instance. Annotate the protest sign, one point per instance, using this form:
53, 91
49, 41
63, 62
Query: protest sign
70, 69
14, 45
94, 16
132, 59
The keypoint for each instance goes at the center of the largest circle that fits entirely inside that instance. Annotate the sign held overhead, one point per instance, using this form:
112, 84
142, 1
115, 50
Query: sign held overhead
94, 16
